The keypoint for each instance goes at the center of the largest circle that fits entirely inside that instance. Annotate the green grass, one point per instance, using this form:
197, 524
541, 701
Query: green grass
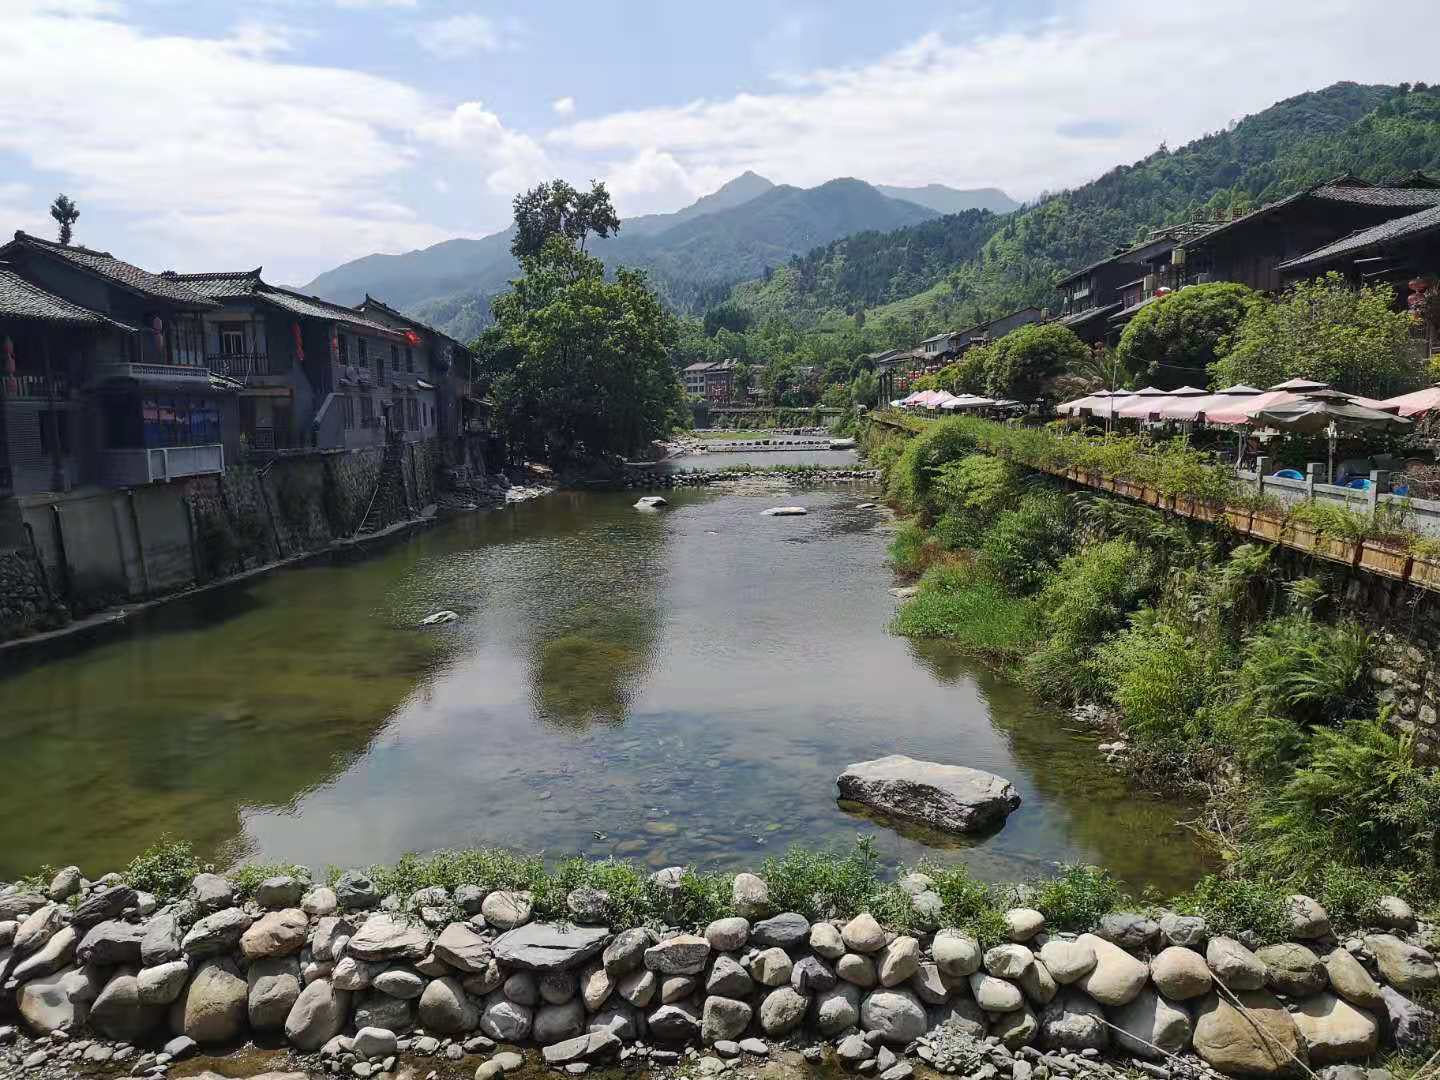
977, 614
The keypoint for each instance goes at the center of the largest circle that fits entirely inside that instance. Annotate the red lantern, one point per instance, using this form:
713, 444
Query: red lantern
299, 343
9, 356
335, 346
412, 337
157, 328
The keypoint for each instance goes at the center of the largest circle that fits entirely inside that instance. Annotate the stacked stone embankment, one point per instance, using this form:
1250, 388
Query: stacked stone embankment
98, 976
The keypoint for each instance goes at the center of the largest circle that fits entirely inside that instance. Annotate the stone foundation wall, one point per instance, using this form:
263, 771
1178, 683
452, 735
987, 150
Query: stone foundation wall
356, 983
26, 604
103, 548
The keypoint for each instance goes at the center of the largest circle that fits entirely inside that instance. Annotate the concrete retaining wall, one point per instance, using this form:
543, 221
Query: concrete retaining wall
99, 548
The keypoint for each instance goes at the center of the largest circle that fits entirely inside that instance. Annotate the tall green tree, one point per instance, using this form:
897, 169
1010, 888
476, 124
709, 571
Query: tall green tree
1173, 341
557, 209
65, 213
1326, 331
1021, 364
586, 361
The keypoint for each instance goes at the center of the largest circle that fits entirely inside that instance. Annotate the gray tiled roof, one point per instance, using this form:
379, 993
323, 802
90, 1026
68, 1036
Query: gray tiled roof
118, 271
1403, 228
20, 299
227, 286
240, 284
1089, 313
1379, 196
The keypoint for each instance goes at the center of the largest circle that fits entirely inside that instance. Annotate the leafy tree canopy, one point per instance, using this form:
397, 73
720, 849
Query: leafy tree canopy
1173, 341
586, 369
1326, 331
557, 209
1020, 364
65, 213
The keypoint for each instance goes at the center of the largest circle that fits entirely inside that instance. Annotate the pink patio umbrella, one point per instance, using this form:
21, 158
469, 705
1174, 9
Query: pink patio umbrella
1105, 404
1420, 403
1194, 408
1144, 401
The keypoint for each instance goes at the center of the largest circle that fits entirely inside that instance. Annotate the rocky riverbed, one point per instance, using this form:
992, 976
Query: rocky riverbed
100, 978
658, 478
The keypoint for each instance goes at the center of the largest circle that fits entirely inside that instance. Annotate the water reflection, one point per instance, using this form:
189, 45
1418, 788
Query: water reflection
675, 687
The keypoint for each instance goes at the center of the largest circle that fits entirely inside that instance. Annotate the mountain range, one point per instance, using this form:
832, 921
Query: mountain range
694, 255
957, 270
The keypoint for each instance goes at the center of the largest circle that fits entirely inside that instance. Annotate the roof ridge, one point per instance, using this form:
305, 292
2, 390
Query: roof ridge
21, 234
215, 275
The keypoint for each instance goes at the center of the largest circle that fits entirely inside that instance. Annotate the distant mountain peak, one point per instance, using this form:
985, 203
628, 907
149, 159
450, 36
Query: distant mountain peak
948, 200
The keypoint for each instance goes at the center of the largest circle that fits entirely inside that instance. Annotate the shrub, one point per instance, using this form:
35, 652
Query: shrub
912, 549
959, 604
1025, 545
978, 486
1075, 899
1158, 676
910, 479
1360, 800
1088, 597
1233, 906
1295, 673
969, 905
835, 884
165, 869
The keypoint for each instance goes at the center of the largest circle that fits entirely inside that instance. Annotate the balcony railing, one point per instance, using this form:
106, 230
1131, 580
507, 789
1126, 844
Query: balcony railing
128, 468
45, 388
239, 365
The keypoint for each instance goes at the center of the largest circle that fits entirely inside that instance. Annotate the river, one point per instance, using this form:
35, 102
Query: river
672, 687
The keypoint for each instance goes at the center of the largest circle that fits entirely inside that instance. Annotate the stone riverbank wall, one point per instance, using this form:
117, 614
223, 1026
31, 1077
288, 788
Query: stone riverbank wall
72, 554
98, 976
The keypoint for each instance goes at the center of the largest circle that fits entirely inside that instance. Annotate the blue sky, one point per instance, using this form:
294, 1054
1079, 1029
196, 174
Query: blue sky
300, 133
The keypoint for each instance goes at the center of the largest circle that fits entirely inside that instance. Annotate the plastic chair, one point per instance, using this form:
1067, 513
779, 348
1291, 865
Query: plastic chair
1289, 474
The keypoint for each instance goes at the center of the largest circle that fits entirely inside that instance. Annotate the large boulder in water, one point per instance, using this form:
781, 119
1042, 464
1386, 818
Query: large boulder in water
950, 797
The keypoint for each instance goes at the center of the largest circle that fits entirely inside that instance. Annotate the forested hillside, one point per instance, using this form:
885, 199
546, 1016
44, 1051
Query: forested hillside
959, 270
693, 256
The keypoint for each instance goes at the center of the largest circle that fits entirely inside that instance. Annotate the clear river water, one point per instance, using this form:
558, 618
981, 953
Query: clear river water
672, 687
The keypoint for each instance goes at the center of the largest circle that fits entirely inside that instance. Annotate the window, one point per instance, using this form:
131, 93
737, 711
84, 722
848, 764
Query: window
54, 425
394, 357
187, 341
179, 421
343, 351
409, 358
347, 412
412, 414
367, 411
232, 339
362, 352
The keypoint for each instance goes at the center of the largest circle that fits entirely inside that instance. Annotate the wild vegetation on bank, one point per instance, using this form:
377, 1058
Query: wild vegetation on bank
819, 884
1222, 673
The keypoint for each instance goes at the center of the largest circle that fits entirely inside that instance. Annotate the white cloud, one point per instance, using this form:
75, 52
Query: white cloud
653, 181
989, 110
564, 106
509, 159
212, 151
375, 3
459, 35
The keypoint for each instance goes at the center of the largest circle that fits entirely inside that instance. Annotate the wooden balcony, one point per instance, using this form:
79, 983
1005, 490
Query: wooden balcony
35, 387
240, 365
